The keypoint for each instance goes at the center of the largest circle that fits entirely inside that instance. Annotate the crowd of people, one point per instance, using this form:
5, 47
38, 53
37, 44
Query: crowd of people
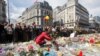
19, 32
22, 32
38, 41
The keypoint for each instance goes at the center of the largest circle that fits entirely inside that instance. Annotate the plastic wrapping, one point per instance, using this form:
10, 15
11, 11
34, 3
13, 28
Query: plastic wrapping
66, 46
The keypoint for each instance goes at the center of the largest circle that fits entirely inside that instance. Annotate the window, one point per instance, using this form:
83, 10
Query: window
37, 21
67, 25
72, 24
46, 12
43, 12
69, 16
67, 21
37, 11
71, 20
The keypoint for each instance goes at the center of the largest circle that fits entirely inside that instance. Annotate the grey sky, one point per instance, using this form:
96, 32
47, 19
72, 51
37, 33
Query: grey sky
18, 6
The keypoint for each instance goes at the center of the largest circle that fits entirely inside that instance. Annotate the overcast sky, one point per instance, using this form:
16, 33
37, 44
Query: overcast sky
18, 6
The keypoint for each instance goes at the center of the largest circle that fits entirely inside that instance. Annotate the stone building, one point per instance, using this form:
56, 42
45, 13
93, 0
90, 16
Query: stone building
94, 22
72, 14
36, 13
2, 11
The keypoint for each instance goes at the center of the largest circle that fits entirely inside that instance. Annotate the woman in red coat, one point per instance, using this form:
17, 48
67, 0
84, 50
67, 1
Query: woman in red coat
42, 37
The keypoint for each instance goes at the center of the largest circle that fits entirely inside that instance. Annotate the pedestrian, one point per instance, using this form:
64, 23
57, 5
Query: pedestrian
29, 32
2, 33
18, 33
58, 31
9, 30
24, 33
34, 31
54, 32
40, 40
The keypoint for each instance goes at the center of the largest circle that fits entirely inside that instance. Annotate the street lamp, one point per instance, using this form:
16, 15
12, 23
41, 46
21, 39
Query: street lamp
8, 12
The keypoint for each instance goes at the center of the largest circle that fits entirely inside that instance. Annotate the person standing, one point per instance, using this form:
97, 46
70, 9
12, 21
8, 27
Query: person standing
18, 33
25, 33
29, 32
58, 31
9, 30
2, 33
53, 32
34, 32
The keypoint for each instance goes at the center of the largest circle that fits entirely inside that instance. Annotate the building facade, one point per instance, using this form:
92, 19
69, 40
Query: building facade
2, 11
97, 23
36, 13
94, 22
73, 15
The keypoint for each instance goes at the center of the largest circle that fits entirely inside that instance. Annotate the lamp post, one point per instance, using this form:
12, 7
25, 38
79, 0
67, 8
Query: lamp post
8, 12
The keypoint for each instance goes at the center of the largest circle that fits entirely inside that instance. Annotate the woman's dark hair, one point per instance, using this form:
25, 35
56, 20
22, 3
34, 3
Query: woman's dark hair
46, 29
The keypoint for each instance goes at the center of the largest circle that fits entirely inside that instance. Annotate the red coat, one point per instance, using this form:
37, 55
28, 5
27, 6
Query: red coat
41, 38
